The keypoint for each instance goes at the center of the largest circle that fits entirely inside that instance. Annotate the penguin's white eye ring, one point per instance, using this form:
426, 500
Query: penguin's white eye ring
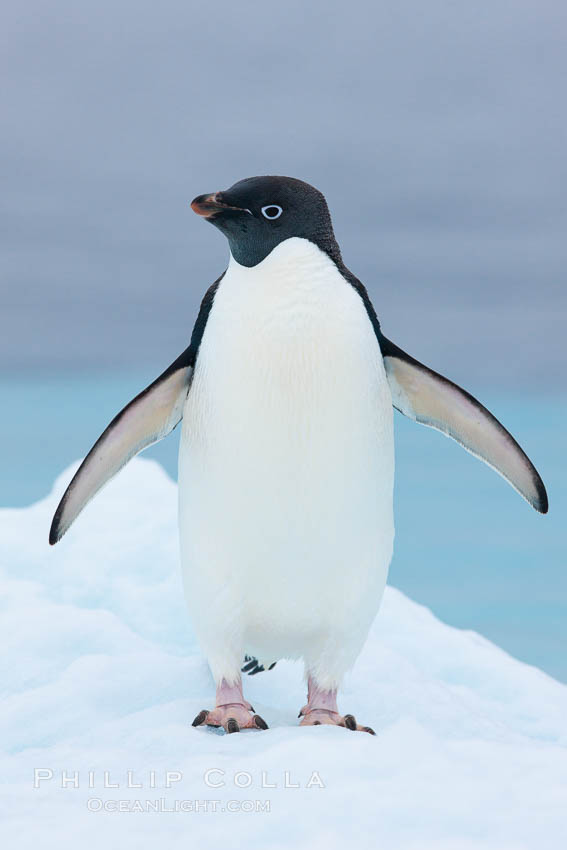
272, 211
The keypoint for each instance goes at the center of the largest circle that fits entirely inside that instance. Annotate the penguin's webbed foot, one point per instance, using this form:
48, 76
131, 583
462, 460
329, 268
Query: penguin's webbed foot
324, 717
322, 710
232, 717
232, 711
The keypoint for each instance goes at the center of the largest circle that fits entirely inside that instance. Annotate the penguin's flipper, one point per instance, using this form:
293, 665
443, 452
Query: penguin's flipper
148, 418
433, 400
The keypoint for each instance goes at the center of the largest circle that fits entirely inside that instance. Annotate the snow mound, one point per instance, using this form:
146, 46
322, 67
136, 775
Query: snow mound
102, 676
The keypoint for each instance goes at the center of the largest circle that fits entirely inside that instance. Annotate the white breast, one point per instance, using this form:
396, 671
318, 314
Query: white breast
286, 464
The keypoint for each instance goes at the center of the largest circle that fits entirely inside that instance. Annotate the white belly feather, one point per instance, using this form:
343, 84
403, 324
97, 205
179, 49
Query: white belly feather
286, 468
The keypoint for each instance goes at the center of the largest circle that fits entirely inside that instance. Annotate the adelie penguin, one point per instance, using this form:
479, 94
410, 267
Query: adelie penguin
286, 460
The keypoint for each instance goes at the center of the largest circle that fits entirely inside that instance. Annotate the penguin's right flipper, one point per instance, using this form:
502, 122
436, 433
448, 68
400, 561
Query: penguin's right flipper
430, 399
148, 418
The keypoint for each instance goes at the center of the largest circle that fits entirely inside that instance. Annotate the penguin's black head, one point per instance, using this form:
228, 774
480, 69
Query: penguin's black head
258, 213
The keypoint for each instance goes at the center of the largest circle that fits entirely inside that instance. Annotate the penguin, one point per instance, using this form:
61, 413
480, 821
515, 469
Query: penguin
286, 461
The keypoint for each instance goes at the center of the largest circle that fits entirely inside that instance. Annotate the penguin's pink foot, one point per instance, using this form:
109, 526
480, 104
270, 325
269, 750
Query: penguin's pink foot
320, 717
322, 710
232, 711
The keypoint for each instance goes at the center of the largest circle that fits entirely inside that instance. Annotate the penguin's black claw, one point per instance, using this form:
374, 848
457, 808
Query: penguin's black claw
260, 722
350, 722
232, 725
201, 717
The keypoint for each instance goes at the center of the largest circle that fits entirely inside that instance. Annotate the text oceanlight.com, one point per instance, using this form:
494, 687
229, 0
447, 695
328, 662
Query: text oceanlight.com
96, 804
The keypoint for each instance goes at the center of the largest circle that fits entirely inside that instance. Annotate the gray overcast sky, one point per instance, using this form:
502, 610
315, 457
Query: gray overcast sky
436, 130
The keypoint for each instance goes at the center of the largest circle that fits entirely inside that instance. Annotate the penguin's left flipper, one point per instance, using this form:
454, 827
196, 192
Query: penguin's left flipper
148, 418
430, 399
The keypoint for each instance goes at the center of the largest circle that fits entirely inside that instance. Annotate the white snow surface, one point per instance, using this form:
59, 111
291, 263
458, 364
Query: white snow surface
101, 672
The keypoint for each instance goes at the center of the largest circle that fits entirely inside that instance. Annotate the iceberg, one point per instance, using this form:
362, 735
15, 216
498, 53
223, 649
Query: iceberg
102, 676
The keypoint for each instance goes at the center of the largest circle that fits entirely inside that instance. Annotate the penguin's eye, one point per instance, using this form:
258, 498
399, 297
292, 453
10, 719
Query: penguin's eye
272, 211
